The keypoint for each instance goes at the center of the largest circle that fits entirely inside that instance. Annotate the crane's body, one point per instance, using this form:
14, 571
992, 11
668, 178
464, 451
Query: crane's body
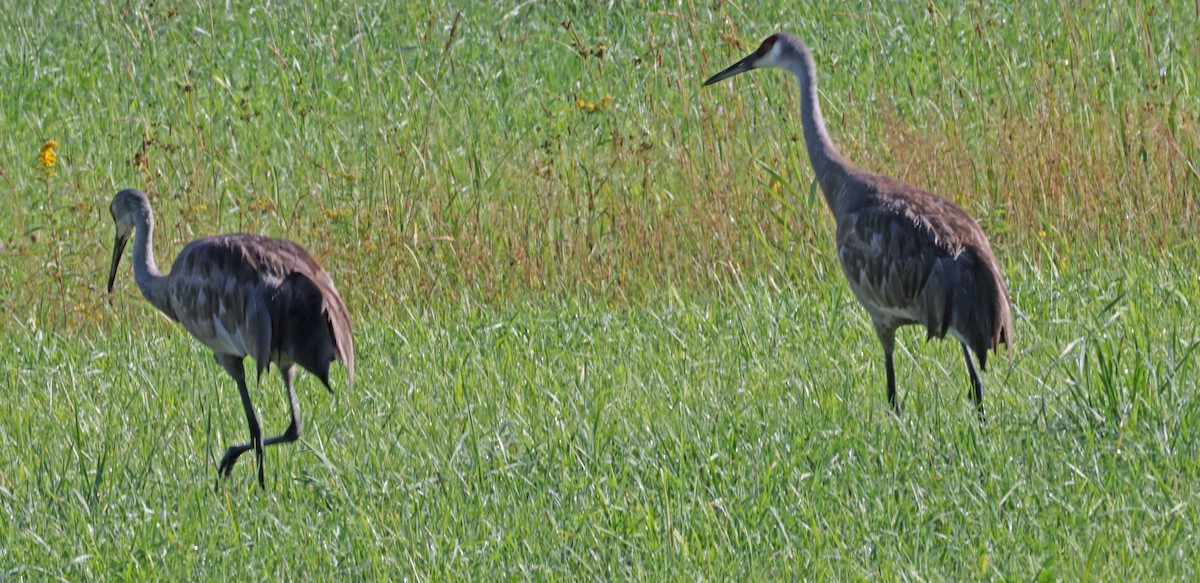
909, 256
242, 295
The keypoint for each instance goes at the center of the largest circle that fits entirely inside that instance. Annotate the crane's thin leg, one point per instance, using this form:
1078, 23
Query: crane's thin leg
977, 385
292, 433
233, 365
887, 337
891, 382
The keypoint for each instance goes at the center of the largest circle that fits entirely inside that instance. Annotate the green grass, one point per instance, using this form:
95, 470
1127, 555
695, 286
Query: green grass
742, 436
606, 345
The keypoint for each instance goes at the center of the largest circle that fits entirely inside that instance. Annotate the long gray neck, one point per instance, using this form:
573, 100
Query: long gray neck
145, 271
830, 168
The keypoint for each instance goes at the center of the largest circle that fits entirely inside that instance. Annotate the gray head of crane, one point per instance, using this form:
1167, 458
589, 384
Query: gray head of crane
128, 207
777, 51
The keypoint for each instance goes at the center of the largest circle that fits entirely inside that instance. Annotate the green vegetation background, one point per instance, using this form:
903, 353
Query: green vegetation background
601, 329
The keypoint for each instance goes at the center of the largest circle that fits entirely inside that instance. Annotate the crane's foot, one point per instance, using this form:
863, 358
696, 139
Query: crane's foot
231, 457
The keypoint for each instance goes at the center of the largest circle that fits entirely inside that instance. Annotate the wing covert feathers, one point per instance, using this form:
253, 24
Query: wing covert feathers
262, 297
915, 258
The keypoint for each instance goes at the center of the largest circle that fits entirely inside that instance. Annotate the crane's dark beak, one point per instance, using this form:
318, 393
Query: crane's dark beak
746, 64
118, 250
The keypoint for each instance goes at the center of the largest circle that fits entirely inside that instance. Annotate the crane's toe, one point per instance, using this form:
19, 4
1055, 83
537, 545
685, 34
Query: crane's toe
231, 456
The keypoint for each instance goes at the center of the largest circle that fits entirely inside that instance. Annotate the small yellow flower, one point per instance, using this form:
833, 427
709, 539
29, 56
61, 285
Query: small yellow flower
589, 107
198, 208
47, 157
89, 311
262, 204
585, 106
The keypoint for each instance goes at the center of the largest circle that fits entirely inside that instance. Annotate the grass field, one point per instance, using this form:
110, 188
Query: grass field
601, 330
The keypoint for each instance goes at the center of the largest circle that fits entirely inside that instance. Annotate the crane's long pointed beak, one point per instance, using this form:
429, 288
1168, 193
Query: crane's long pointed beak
746, 64
118, 250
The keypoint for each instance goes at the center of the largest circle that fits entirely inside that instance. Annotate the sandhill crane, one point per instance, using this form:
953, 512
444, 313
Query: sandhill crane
242, 295
910, 257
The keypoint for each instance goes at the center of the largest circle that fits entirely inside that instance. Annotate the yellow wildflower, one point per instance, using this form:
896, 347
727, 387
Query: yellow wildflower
589, 107
777, 184
262, 204
198, 208
47, 157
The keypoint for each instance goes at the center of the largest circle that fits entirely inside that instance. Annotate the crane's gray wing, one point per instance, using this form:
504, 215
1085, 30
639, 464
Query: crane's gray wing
921, 259
260, 296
